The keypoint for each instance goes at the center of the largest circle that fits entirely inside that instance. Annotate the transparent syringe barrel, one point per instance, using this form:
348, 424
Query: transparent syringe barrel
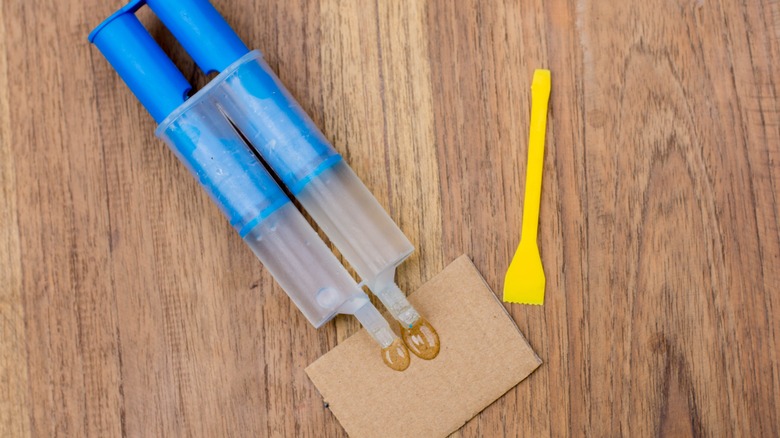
283, 134
205, 141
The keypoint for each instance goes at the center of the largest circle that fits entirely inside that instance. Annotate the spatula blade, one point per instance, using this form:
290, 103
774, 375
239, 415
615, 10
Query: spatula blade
525, 281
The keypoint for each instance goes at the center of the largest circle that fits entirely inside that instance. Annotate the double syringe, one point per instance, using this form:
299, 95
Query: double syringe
203, 132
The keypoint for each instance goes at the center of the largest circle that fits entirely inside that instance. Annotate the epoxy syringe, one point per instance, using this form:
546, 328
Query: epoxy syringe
253, 98
205, 141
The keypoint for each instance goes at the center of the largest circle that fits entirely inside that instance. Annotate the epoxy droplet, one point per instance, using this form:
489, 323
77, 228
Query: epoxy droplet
422, 339
396, 355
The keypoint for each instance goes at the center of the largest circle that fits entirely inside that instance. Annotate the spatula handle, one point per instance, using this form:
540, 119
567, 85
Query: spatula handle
540, 96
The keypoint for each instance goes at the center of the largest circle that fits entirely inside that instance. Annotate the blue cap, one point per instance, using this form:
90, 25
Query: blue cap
202, 31
140, 61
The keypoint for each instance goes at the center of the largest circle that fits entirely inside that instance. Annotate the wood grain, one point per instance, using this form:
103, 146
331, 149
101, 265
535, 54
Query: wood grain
128, 307
14, 397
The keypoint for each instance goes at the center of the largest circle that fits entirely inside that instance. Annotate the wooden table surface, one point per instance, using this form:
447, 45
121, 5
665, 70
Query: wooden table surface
128, 306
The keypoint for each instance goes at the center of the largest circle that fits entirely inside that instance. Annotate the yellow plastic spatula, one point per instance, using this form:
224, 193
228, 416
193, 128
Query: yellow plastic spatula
524, 282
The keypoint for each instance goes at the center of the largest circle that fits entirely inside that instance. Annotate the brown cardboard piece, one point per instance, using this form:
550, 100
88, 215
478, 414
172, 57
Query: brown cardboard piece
483, 355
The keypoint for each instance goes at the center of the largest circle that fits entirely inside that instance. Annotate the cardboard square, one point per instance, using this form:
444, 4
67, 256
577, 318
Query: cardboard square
483, 355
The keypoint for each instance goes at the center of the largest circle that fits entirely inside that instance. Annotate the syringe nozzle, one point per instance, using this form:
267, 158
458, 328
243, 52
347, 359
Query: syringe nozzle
394, 353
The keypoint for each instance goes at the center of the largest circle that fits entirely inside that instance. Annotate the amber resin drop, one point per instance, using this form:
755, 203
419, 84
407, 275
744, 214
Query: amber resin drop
422, 339
396, 355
